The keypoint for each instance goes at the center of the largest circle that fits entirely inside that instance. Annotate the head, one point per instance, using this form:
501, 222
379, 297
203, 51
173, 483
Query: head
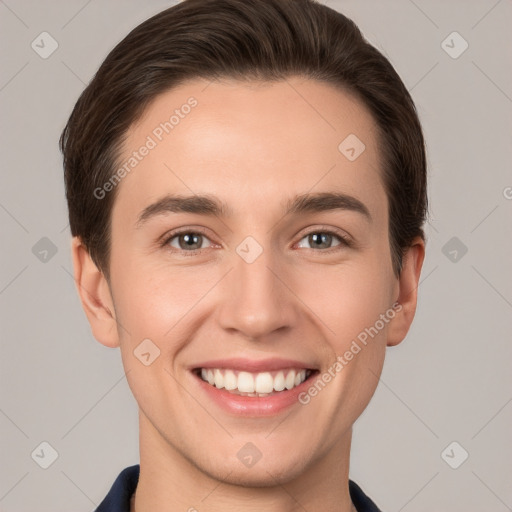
247, 107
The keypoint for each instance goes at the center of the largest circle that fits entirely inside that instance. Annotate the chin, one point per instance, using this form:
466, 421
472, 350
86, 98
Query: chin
264, 473
262, 477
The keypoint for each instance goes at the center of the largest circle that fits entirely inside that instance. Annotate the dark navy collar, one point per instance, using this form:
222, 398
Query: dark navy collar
362, 502
118, 498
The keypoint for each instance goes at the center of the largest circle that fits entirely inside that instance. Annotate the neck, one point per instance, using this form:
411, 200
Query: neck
168, 481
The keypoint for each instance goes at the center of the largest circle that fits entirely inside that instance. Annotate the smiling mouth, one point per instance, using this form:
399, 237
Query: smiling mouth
254, 384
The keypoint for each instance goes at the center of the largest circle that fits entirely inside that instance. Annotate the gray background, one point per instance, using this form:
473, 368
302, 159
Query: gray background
450, 380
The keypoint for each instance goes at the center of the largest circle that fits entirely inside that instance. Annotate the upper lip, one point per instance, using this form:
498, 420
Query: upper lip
253, 365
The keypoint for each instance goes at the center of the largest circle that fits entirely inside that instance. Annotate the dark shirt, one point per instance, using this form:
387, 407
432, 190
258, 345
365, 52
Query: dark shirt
118, 498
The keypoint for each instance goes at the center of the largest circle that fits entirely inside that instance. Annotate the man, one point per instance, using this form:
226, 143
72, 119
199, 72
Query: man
246, 184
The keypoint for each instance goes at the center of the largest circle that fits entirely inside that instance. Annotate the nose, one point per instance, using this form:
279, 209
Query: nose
256, 298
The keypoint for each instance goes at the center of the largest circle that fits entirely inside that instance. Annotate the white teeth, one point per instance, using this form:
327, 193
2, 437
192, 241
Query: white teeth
230, 380
254, 384
245, 382
279, 383
219, 378
300, 377
264, 383
290, 380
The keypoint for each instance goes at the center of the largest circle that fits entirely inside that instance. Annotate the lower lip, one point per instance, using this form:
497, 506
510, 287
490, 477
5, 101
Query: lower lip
255, 406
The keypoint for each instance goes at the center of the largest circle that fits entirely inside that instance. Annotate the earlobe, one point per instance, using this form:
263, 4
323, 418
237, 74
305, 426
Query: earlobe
407, 292
95, 295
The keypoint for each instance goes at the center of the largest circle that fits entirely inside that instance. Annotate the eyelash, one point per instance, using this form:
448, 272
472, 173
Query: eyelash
345, 241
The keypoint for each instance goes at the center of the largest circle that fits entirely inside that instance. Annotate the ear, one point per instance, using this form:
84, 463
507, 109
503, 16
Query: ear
408, 283
94, 292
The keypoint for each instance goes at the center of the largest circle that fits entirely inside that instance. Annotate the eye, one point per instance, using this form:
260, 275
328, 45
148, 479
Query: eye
324, 239
188, 241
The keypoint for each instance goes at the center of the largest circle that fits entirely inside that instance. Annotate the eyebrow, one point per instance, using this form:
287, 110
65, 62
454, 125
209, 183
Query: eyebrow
211, 206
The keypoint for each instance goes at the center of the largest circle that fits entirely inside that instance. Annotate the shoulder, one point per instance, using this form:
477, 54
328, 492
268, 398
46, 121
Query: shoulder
118, 498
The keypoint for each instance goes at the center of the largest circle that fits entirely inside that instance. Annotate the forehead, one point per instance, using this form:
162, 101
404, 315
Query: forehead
249, 143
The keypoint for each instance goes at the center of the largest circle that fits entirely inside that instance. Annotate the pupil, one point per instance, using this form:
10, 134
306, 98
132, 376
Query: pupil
191, 239
320, 238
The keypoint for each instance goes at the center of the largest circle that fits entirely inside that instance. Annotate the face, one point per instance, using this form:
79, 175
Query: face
253, 296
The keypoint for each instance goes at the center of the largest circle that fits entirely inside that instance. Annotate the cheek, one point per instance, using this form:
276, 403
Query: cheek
348, 298
154, 299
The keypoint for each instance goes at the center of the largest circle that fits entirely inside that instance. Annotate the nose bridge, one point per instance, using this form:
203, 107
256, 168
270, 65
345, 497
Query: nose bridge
255, 301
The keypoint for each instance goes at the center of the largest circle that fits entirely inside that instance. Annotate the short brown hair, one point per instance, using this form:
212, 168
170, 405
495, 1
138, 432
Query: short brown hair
258, 39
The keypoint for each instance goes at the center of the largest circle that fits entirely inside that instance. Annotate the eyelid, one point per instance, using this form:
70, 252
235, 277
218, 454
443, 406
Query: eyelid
345, 239
343, 235
164, 240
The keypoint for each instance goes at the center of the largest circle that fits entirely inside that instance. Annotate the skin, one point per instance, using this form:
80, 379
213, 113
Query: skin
254, 145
